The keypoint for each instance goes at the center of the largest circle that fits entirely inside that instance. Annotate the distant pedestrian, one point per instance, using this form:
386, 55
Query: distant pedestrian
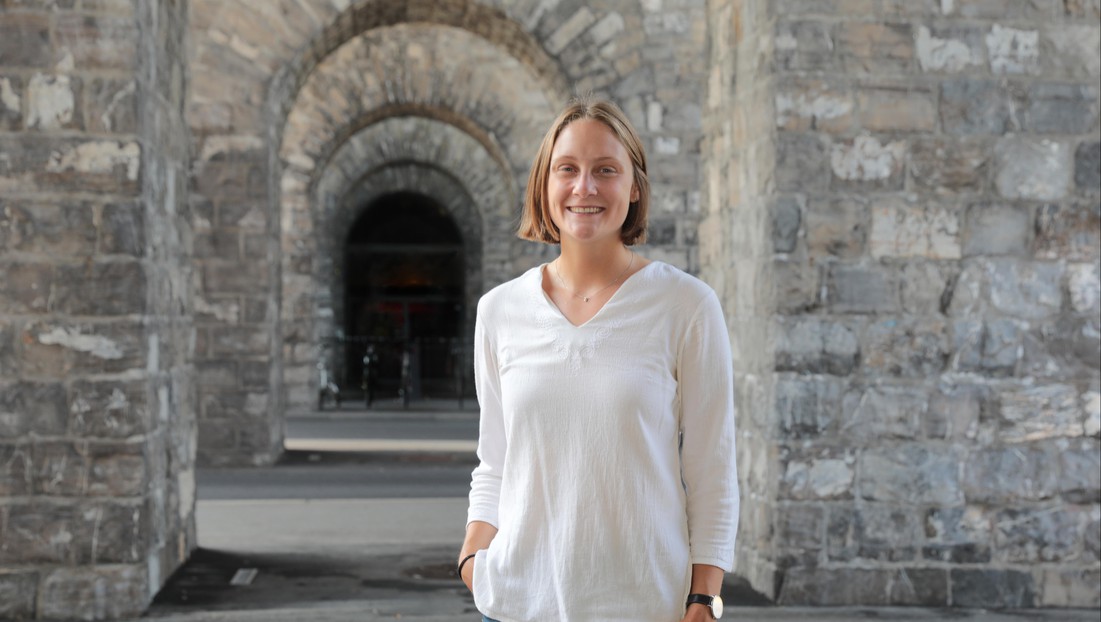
607, 487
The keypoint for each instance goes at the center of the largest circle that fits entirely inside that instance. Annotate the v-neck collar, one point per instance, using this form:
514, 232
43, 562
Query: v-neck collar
541, 270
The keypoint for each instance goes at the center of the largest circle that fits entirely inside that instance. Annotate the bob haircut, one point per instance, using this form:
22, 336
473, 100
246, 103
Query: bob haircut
535, 221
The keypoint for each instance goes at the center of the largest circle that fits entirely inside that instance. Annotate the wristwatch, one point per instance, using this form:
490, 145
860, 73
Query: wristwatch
714, 603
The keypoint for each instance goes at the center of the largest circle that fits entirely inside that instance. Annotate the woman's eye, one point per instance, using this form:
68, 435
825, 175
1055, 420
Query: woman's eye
607, 170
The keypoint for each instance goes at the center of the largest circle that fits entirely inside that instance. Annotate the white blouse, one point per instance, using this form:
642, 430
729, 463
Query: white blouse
607, 450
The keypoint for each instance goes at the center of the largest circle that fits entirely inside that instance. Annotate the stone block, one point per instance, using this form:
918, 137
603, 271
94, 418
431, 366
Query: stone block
993, 588
807, 406
796, 286
1034, 535
872, 587
874, 532
1037, 412
38, 408
864, 163
1061, 109
111, 106
11, 102
801, 163
925, 286
109, 409
1076, 587
63, 164
949, 166
993, 348
122, 534
25, 287
16, 469
872, 47
1029, 290
39, 533
1071, 51
116, 470
954, 412
804, 45
60, 468
911, 473
978, 107
54, 102
902, 230
906, 347
817, 473
997, 229
24, 39
231, 278
18, 589
862, 289
122, 229
1008, 9
897, 109
957, 535
1083, 8
240, 340
97, 41
950, 49
837, 227
804, 105
98, 592
1084, 287
1078, 465
786, 220
60, 349
1011, 473
1087, 167
1029, 168
882, 412
67, 229
1013, 51
813, 345
801, 526
101, 288
1067, 232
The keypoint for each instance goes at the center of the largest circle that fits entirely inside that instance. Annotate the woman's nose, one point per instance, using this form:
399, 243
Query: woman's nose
585, 186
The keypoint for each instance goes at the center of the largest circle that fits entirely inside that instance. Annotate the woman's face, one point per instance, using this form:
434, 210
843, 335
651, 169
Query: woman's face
591, 183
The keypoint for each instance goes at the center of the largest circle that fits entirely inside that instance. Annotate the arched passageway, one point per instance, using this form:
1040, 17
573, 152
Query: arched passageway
404, 307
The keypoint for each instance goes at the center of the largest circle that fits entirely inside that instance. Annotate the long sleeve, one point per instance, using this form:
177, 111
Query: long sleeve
485, 486
708, 462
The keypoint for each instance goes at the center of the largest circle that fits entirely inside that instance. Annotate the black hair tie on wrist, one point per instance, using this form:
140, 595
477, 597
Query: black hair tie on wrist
459, 570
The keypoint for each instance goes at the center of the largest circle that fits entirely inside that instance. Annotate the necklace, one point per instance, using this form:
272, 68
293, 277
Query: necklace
586, 298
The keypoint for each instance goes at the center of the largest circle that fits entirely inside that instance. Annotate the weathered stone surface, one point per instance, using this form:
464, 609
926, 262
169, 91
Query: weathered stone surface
978, 107
837, 227
897, 109
116, 470
910, 347
53, 102
1027, 168
993, 588
833, 586
876, 532
1007, 9
960, 535
1039, 412
102, 288
813, 105
954, 412
48, 229
17, 472
106, 592
812, 345
24, 287
11, 102
1006, 474
111, 105
949, 167
1087, 167
24, 39
97, 42
925, 286
900, 230
786, 219
73, 165
950, 49
1061, 109
1027, 536
1071, 588
801, 164
865, 47
32, 407
1072, 232
862, 289
1013, 51
797, 286
866, 163
997, 229
1026, 290
804, 45
122, 229
17, 594
60, 468
817, 473
808, 406
911, 473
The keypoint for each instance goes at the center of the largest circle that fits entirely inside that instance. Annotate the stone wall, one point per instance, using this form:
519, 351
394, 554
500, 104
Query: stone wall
736, 256
96, 415
935, 232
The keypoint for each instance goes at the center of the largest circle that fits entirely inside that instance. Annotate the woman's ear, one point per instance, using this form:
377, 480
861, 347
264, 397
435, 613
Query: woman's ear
634, 193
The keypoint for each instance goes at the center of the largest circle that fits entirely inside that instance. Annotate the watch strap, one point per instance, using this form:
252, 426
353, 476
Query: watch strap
701, 599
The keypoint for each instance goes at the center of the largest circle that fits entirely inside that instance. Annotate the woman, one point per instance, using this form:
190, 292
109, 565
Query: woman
607, 487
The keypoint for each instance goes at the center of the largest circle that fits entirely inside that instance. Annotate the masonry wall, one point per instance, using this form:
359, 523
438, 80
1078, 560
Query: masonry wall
936, 260
96, 432
736, 255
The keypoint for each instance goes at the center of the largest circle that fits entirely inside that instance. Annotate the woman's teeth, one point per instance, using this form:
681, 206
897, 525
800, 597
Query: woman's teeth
585, 210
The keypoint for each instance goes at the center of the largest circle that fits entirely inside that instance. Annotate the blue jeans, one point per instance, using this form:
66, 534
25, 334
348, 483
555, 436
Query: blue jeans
488, 619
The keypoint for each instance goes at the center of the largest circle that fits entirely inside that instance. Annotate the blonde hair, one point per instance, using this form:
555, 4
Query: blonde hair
535, 220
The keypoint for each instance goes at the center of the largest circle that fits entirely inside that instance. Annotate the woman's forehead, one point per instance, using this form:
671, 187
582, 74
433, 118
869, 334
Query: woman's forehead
589, 139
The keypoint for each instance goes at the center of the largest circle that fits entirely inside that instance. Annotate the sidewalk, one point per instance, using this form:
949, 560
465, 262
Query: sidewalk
368, 537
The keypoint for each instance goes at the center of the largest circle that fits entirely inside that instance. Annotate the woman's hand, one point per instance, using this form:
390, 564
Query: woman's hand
478, 536
697, 613
467, 575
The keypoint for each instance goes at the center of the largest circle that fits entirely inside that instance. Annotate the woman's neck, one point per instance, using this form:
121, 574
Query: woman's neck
587, 266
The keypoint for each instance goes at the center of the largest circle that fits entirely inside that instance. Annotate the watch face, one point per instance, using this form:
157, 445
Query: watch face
717, 607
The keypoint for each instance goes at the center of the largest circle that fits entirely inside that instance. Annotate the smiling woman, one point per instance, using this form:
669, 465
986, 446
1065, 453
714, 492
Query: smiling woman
607, 486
